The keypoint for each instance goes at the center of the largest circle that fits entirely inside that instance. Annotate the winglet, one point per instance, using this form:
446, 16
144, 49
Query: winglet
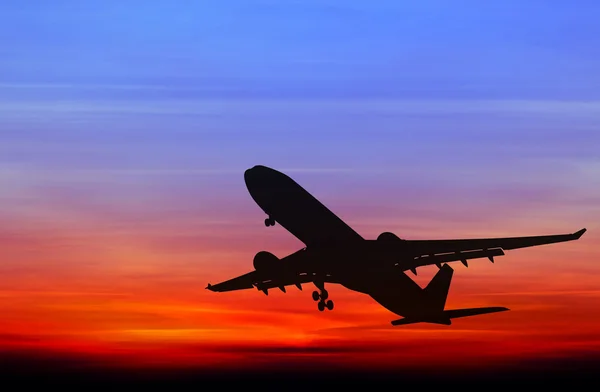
579, 233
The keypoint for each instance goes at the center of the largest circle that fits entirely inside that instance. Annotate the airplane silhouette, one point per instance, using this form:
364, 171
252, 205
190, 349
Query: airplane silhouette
335, 253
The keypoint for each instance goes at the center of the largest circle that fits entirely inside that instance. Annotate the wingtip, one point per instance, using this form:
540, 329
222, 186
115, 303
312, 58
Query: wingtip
579, 233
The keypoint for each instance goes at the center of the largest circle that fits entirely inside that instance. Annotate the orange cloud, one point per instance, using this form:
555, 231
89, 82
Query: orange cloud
128, 288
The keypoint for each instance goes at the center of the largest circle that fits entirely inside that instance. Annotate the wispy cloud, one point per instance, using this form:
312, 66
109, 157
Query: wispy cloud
83, 86
557, 293
34, 293
258, 107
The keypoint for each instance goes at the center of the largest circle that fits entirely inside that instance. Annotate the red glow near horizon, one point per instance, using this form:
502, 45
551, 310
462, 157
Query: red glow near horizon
132, 294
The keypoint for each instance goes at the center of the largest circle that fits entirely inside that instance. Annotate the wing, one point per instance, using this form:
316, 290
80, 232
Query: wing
445, 246
429, 252
265, 281
241, 282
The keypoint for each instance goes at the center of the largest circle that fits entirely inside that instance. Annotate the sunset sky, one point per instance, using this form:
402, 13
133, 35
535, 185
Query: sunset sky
126, 127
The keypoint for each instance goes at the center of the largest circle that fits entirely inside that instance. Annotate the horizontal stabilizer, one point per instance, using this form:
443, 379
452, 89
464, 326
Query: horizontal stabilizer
456, 313
439, 319
446, 316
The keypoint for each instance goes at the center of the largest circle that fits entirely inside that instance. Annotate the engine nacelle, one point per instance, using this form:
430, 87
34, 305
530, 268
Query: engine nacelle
264, 260
388, 237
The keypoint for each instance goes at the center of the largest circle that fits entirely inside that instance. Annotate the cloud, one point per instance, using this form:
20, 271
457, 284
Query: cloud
82, 86
46, 293
558, 293
11, 338
331, 107
34, 175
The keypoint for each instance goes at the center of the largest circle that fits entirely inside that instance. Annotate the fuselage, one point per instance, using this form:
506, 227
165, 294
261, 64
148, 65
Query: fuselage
294, 208
351, 260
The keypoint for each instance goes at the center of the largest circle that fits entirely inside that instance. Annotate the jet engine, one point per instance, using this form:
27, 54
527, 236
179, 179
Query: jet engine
388, 237
392, 248
264, 260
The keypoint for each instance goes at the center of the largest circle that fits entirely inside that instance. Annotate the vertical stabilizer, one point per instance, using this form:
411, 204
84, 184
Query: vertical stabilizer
437, 289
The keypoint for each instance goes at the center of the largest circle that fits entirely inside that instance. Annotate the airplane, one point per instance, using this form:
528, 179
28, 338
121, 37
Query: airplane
336, 254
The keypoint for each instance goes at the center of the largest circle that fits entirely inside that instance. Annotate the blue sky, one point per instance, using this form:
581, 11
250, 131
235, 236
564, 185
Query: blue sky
495, 49
157, 94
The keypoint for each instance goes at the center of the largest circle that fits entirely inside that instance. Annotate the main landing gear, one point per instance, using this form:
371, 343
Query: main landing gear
269, 222
322, 297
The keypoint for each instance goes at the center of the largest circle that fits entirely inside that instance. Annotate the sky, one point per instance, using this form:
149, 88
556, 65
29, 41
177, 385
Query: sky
125, 129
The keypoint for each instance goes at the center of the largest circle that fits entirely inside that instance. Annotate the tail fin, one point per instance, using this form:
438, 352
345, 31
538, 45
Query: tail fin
437, 289
436, 293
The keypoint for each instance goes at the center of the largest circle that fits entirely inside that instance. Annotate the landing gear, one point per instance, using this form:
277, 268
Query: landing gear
321, 298
329, 305
316, 296
269, 222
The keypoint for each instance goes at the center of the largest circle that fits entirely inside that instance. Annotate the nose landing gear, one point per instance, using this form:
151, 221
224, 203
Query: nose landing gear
269, 222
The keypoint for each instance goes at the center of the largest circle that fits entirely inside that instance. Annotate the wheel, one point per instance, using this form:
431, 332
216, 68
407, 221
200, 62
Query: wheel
269, 222
329, 305
321, 306
316, 296
324, 295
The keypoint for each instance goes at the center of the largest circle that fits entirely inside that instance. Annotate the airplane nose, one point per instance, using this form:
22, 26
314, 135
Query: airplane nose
256, 176
252, 176
248, 174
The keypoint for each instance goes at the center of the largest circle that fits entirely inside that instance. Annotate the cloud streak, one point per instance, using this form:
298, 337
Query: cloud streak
258, 107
